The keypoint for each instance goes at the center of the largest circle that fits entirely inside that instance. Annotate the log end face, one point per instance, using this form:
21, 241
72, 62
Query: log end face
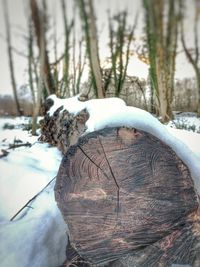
120, 191
128, 135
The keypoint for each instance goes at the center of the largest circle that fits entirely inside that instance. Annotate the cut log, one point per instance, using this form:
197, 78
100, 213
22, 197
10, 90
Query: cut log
128, 200
62, 129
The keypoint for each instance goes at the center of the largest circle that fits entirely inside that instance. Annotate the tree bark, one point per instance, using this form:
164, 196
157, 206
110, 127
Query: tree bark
95, 52
10, 56
38, 20
120, 43
30, 61
198, 87
89, 22
162, 44
66, 66
194, 60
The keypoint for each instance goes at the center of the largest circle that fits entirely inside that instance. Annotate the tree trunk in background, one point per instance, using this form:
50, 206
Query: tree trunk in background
80, 67
162, 44
45, 77
67, 29
198, 86
94, 51
30, 61
38, 18
10, 56
194, 56
37, 106
55, 66
40, 84
88, 19
120, 43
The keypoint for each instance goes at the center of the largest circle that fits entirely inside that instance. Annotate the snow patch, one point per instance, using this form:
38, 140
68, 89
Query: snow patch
24, 172
38, 238
74, 105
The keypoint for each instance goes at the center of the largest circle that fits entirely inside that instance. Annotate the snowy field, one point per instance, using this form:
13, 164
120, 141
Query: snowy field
36, 236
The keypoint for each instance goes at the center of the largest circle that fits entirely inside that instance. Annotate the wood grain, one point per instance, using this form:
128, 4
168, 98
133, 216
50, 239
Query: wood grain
125, 195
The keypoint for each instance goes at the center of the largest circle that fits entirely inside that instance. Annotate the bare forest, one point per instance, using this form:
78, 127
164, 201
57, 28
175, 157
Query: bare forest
70, 62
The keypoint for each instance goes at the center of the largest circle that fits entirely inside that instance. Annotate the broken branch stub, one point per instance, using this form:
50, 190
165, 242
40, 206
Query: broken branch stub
127, 198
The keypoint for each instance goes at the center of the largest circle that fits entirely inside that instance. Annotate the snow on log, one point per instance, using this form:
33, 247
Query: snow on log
67, 119
128, 199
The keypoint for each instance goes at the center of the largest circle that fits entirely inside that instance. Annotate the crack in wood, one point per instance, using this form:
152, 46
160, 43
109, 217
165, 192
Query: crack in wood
98, 167
93, 162
113, 176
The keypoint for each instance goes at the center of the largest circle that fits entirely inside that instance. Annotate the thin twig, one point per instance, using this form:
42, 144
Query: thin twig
4, 153
27, 203
13, 146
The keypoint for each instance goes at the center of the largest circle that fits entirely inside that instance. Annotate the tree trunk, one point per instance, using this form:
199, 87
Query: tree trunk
30, 61
198, 88
95, 52
37, 106
66, 64
89, 25
38, 20
128, 199
193, 58
162, 34
10, 56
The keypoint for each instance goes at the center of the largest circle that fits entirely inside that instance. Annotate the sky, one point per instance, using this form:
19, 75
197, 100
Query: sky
18, 18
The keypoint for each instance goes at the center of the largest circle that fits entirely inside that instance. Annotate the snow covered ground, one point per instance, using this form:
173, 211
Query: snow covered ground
24, 168
36, 236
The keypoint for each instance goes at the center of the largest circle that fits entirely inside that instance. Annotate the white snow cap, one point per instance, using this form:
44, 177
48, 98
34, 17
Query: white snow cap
36, 236
113, 112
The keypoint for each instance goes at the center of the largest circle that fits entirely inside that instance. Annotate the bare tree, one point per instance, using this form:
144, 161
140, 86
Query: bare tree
162, 35
30, 60
68, 26
45, 77
10, 56
193, 55
89, 24
78, 59
120, 44
39, 20
80, 66
36, 90
74, 56
55, 66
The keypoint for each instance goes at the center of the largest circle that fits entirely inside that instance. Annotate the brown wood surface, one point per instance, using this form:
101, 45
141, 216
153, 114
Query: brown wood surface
126, 196
62, 129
